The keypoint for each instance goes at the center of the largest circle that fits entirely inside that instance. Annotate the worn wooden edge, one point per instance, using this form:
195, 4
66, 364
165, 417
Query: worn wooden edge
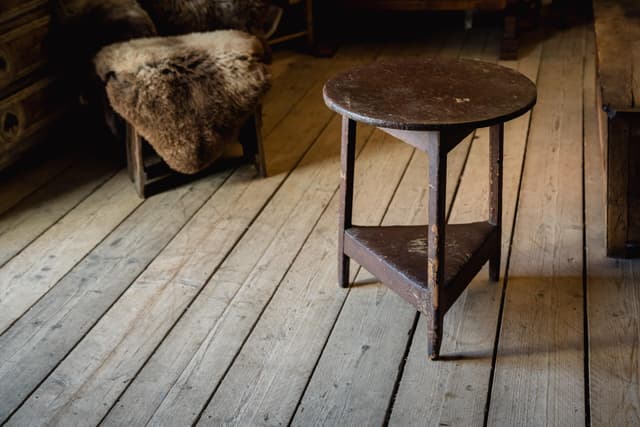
619, 215
7, 15
617, 33
426, 127
418, 294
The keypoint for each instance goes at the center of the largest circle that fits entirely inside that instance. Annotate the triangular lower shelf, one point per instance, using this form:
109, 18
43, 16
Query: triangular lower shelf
397, 255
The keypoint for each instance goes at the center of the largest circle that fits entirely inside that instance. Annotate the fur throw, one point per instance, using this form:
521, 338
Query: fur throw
186, 16
186, 95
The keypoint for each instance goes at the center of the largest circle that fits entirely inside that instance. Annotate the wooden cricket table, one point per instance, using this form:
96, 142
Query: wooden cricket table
432, 105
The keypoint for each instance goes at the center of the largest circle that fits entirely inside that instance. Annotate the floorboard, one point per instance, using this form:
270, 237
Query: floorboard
29, 177
35, 270
539, 372
613, 296
355, 377
216, 303
159, 296
216, 325
41, 338
282, 350
454, 391
37, 212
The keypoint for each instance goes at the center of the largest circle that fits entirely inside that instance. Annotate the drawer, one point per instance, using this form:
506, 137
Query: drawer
28, 112
22, 50
10, 9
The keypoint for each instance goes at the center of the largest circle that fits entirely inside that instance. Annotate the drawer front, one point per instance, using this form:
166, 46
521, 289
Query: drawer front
29, 112
10, 9
22, 50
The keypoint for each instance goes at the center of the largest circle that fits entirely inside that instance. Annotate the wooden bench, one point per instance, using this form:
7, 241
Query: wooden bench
617, 26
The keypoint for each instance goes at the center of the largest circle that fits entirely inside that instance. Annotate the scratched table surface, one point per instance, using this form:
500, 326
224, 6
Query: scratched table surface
430, 94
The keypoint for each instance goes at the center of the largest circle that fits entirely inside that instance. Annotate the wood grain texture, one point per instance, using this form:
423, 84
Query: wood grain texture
539, 373
10, 9
145, 361
612, 292
158, 297
19, 184
118, 345
296, 79
618, 173
41, 338
305, 121
245, 413
36, 213
454, 391
354, 379
283, 348
376, 94
22, 49
345, 212
617, 27
28, 115
292, 80
36, 269
174, 387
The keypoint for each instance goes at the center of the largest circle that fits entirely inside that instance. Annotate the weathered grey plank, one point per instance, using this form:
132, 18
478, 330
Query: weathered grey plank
35, 344
617, 27
28, 219
293, 76
454, 391
175, 386
117, 347
269, 374
30, 274
279, 147
539, 373
19, 184
613, 296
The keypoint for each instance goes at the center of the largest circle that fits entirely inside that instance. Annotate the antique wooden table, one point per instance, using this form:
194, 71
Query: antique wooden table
432, 105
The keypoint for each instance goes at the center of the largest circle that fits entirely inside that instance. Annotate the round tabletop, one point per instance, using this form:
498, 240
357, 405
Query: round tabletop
430, 94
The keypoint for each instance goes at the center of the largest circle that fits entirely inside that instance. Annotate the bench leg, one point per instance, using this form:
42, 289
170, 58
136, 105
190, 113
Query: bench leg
347, 163
251, 141
135, 160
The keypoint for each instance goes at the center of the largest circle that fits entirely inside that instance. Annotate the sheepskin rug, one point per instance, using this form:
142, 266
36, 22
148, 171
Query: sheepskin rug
186, 95
186, 16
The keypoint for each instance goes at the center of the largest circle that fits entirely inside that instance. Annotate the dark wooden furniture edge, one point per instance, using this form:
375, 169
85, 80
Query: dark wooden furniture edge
416, 292
150, 174
622, 149
617, 28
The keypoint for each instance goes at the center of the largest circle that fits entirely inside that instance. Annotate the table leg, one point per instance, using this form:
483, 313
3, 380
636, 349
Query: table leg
495, 194
348, 156
436, 239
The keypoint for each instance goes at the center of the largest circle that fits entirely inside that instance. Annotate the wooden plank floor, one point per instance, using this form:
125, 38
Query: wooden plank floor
216, 303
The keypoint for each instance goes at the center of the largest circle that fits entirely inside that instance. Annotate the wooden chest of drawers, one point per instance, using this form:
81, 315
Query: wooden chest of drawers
32, 100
